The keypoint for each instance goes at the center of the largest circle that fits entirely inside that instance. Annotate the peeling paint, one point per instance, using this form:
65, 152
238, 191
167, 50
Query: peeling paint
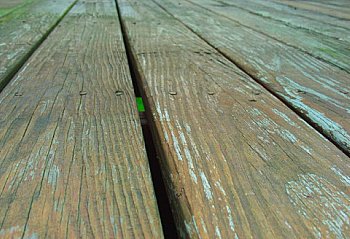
320, 202
344, 178
230, 219
206, 186
284, 117
217, 232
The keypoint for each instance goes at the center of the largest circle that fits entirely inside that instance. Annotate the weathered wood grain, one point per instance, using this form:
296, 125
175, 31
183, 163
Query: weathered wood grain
339, 12
318, 91
303, 19
22, 31
317, 45
236, 161
72, 160
7, 6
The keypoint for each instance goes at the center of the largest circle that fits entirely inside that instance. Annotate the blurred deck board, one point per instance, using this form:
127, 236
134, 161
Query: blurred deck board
22, 30
318, 45
318, 91
303, 19
336, 11
73, 162
236, 161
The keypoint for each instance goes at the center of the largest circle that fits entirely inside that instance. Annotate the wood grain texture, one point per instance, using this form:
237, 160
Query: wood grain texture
303, 19
336, 11
236, 161
318, 45
318, 91
24, 29
72, 160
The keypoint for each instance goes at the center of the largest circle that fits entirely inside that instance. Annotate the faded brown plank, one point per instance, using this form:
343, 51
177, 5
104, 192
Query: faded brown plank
236, 161
318, 91
303, 19
72, 160
339, 12
317, 45
24, 29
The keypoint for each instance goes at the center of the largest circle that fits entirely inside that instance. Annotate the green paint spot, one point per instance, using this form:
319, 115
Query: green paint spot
140, 105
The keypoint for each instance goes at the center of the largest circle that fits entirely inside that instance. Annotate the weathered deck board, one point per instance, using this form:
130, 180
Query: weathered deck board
9, 6
303, 19
318, 45
72, 160
236, 161
318, 91
339, 12
24, 29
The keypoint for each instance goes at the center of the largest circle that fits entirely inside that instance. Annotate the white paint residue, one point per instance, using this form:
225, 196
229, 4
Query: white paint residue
176, 146
53, 175
288, 135
204, 227
322, 204
217, 232
187, 153
230, 219
188, 228
306, 149
284, 117
218, 185
334, 129
195, 226
344, 178
206, 186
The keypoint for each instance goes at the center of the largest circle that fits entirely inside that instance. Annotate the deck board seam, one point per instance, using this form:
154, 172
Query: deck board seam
15, 69
285, 102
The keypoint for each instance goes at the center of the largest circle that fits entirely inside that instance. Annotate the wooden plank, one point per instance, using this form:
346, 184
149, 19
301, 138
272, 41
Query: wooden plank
24, 29
7, 6
316, 90
339, 12
236, 161
72, 160
317, 45
322, 24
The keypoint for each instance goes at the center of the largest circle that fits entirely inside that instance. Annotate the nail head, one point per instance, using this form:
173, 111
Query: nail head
119, 92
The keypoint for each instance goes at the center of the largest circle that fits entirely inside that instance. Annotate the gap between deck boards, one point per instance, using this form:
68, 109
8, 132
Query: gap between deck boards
285, 102
25, 58
164, 208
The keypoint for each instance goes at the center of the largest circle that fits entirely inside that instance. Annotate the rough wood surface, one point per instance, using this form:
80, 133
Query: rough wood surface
24, 29
303, 19
237, 162
336, 11
317, 90
72, 160
318, 45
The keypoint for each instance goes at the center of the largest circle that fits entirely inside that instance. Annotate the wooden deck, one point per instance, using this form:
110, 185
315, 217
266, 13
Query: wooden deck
246, 122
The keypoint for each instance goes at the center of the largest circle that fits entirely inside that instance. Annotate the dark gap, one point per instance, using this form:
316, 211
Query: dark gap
13, 71
166, 215
258, 81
